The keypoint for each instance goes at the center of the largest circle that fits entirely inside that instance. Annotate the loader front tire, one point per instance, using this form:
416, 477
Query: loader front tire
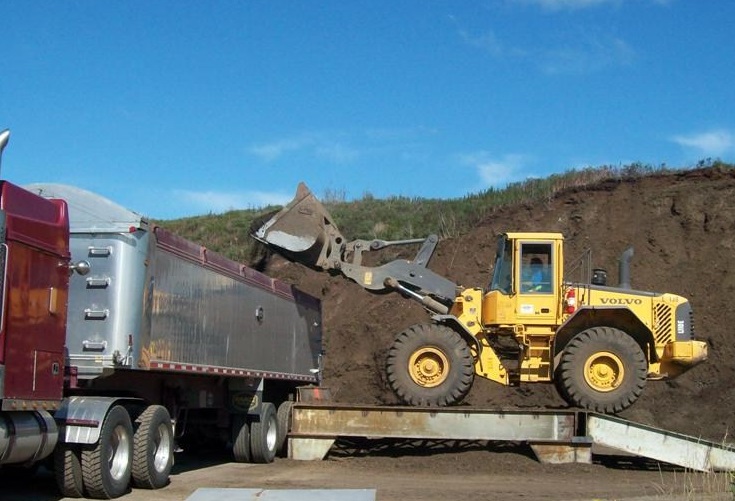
430, 365
602, 369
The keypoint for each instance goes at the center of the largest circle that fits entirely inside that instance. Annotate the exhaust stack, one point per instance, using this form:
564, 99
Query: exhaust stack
4, 138
624, 268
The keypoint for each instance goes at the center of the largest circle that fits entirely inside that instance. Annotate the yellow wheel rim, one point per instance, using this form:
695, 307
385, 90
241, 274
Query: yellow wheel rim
604, 371
428, 367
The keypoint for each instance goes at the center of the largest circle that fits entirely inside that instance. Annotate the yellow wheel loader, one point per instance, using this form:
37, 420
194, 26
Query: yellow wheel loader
533, 323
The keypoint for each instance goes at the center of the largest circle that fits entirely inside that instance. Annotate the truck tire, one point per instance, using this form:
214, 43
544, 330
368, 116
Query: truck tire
240, 439
430, 365
283, 416
106, 467
68, 470
264, 435
153, 448
602, 369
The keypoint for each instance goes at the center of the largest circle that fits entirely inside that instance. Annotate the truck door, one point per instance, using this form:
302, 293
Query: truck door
537, 279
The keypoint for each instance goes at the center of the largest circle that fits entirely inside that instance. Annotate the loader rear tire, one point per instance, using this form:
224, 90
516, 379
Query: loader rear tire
602, 369
430, 365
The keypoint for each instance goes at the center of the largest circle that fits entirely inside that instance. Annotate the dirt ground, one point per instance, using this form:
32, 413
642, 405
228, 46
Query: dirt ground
403, 473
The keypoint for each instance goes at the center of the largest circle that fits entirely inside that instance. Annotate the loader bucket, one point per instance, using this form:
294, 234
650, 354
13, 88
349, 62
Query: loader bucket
304, 230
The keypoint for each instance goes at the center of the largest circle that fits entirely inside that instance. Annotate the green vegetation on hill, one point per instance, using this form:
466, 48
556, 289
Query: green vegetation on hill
404, 217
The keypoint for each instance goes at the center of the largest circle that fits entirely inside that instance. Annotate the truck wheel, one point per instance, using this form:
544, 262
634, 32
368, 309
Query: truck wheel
106, 467
240, 439
283, 417
68, 471
264, 435
430, 365
153, 448
602, 369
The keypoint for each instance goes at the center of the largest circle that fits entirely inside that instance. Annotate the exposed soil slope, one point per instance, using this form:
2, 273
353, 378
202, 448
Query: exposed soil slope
682, 227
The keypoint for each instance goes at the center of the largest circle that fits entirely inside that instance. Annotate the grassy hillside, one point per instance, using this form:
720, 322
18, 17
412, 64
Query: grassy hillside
403, 217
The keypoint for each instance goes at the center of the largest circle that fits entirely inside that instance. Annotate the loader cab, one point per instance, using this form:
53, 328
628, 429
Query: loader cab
526, 282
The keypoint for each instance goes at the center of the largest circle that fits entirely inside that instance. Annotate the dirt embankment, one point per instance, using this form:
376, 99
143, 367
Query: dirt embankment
682, 227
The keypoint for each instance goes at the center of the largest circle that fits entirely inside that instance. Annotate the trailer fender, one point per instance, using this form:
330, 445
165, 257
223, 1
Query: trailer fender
80, 418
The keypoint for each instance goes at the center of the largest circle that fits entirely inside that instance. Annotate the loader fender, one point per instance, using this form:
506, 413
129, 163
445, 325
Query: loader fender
619, 317
80, 418
453, 322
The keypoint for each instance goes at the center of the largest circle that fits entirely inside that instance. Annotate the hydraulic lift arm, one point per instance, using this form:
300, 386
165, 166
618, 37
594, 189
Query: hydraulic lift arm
305, 232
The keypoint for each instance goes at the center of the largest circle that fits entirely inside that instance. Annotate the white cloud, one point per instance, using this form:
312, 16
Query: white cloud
203, 202
712, 143
567, 4
487, 41
579, 4
272, 151
323, 145
586, 53
336, 153
587, 56
496, 172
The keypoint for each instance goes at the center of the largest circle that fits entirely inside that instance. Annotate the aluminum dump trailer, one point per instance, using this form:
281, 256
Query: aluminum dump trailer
169, 345
154, 301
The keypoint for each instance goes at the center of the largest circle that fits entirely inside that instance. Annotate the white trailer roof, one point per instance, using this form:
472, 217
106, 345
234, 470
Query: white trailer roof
89, 212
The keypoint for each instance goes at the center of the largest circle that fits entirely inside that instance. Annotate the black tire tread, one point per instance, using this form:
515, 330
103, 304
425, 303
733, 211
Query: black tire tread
283, 416
142, 475
455, 348
95, 483
68, 471
571, 388
259, 451
240, 439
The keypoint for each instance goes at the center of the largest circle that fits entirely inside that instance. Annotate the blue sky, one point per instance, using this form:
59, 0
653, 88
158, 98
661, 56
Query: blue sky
179, 108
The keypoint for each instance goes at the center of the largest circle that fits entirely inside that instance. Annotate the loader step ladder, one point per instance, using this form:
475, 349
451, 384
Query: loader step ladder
556, 436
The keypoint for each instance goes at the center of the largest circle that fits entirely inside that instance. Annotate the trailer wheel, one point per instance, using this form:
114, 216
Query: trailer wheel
68, 471
153, 448
602, 369
240, 439
106, 467
430, 365
264, 435
285, 410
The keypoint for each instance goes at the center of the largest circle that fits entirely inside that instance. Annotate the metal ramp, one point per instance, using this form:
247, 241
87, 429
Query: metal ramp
556, 436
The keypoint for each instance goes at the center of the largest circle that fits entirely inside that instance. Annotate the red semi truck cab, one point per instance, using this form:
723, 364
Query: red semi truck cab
34, 262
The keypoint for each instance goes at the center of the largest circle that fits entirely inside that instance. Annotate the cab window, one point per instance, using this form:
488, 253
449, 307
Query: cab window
536, 276
503, 270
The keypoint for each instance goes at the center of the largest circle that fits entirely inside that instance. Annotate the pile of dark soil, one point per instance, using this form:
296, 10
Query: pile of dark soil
682, 227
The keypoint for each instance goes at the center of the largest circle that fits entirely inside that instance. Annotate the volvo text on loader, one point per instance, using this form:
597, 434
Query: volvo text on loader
598, 344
